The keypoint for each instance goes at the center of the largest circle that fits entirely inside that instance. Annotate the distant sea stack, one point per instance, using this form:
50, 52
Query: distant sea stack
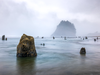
65, 29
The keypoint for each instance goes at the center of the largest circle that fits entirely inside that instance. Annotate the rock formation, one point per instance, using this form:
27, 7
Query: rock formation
65, 29
82, 51
26, 47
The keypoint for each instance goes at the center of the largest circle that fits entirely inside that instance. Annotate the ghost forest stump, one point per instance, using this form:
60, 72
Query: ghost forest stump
26, 47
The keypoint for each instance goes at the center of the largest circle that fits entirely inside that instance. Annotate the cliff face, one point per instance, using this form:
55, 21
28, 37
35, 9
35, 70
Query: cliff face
65, 28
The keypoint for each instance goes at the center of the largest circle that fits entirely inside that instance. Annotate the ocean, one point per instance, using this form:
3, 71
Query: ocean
57, 57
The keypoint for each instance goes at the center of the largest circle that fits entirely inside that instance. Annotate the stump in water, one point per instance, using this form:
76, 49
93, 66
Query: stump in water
94, 39
86, 37
42, 37
43, 44
3, 37
82, 51
97, 38
83, 38
53, 37
64, 38
6, 38
26, 47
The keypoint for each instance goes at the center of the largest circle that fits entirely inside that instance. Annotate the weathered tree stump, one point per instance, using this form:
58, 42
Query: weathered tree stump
3, 37
53, 37
94, 39
82, 51
26, 47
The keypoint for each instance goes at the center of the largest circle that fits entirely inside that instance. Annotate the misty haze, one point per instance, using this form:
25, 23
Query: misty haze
37, 17
49, 37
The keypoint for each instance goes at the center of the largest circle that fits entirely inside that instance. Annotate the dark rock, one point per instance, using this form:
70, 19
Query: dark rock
65, 28
3, 37
26, 47
94, 39
82, 51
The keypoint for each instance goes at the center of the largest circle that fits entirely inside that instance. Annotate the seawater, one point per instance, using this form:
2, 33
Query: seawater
57, 57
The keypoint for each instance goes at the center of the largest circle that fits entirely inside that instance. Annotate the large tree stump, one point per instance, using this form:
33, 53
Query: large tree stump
26, 47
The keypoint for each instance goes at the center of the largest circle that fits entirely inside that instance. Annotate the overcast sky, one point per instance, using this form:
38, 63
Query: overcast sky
41, 17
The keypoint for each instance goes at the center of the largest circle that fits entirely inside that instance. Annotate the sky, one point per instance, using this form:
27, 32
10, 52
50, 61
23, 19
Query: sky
41, 17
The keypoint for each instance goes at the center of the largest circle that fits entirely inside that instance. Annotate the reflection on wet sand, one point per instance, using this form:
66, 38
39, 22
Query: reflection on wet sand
83, 57
26, 66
